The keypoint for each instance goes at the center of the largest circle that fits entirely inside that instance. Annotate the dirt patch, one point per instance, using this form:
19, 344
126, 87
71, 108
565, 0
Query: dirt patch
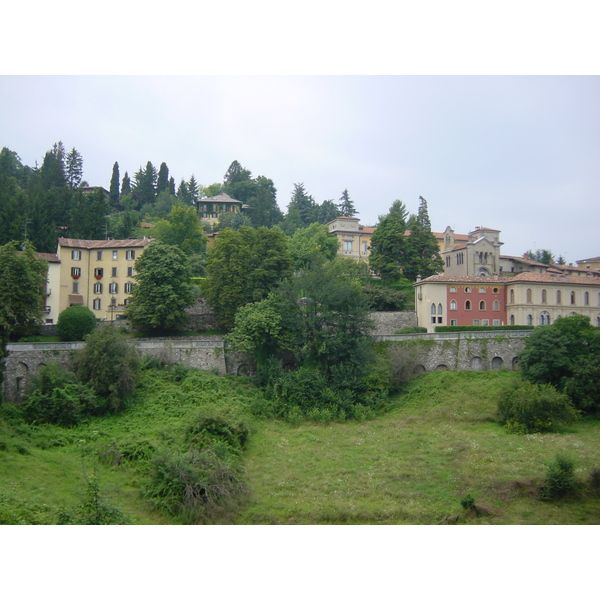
509, 490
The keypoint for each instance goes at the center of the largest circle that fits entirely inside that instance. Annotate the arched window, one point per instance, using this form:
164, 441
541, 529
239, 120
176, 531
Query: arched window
544, 299
544, 318
572, 297
439, 309
529, 320
453, 305
598, 321
468, 305
512, 296
586, 298
482, 305
512, 319
529, 296
433, 309
558, 297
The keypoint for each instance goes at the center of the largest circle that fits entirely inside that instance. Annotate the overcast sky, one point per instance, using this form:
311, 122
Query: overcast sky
516, 153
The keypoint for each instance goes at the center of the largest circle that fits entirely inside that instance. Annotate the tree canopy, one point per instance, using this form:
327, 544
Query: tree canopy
162, 290
243, 267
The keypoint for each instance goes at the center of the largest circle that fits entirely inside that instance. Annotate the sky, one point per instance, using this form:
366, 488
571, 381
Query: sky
520, 154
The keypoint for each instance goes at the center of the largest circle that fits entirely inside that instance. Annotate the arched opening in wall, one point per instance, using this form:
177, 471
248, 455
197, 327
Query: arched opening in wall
468, 305
481, 272
544, 318
441, 368
515, 363
476, 363
598, 321
243, 370
497, 363
512, 296
419, 369
21, 378
512, 319
529, 320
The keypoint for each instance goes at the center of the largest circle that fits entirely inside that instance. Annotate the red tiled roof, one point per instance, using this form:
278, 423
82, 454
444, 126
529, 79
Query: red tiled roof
464, 279
48, 257
100, 244
551, 278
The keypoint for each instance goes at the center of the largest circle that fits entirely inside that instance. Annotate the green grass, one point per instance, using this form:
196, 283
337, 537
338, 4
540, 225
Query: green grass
412, 465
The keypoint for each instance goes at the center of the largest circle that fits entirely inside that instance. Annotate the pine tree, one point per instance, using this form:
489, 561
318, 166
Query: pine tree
162, 183
144, 187
388, 244
126, 185
114, 186
422, 249
74, 168
305, 204
193, 189
346, 205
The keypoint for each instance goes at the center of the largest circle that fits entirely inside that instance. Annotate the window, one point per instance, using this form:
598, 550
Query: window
529, 320
127, 301
433, 309
76, 254
98, 273
75, 287
572, 297
512, 319
128, 287
467, 290
347, 245
529, 296
455, 322
129, 271
558, 297
113, 288
75, 272
482, 290
475, 321
453, 305
97, 303
482, 305
439, 309
113, 272
130, 254
496, 305
544, 318
512, 296
97, 288
586, 298
115, 255
496, 322
468, 305
447, 261
485, 322
495, 290
544, 297
364, 247
99, 255
453, 290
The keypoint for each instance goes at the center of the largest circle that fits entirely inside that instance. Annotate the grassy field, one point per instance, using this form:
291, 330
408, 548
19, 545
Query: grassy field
412, 465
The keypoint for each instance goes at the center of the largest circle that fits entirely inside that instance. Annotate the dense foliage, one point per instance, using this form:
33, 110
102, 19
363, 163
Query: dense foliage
110, 366
532, 408
243, 267
566, 355
75, 322
162, 290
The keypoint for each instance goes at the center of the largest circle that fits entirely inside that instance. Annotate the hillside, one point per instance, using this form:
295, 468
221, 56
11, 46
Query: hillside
413, 465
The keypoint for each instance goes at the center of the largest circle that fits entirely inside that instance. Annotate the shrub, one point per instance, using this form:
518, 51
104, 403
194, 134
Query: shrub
531, 408
75, 322
196, 487
110, 366
467, 502
413, 330
560, 479
218, 425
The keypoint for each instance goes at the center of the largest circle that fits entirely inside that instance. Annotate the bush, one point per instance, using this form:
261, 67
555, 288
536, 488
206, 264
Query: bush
196, 487
412, 330
560, 479
531, 408
218, 425
110, 366
75, 322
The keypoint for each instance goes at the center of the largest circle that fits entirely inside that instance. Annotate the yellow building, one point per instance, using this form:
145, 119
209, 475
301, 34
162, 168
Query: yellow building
97, 274
210, 209
354, 239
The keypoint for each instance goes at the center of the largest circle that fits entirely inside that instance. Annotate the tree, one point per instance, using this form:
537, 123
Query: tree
193, 190
22, 283
182, 228
114, 186
327, 212
264, 210
310, 243
162, 290
162, 182
346, 205
305, 204
566, 355
542, 256
110, 366
126, 185
88, 215
75, 322
388, 244
73, 168
243, 267
422, 249
144, 187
